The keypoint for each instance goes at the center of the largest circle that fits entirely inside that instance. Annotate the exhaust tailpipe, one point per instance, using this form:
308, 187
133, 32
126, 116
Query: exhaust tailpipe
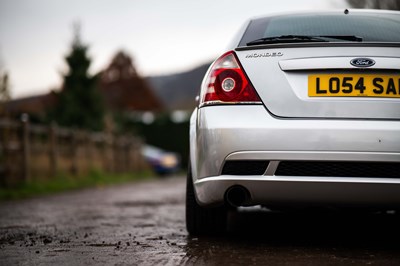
237, 196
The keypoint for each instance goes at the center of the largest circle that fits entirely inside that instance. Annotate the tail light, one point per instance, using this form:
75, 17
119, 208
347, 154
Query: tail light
226, 83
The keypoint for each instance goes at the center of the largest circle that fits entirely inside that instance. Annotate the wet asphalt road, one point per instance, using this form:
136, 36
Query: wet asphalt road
143, 223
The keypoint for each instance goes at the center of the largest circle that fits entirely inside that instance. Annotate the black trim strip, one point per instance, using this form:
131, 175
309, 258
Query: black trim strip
243, 167
338, 169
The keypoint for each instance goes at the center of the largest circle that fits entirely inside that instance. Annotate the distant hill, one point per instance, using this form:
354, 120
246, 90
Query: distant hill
178, 91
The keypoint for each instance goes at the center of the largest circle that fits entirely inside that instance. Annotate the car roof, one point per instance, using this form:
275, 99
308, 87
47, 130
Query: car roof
327, 12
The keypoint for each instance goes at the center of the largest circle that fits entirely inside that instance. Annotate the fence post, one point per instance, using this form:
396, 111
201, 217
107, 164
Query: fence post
26, 148
89, 151
136, 150
116, 154
127, 149
53, 149
110, 152
74, 152
4, 164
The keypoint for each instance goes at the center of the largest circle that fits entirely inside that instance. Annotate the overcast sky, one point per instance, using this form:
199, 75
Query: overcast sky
163, 36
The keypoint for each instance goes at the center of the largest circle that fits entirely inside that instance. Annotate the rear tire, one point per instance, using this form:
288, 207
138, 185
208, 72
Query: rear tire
200, 220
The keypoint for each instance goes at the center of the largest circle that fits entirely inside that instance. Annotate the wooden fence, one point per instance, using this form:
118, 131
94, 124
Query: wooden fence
29, 151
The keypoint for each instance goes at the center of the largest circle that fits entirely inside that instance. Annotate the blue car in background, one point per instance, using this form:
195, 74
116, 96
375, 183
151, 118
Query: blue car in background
162, 162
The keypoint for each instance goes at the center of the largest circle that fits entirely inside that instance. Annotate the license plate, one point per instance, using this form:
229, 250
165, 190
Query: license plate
354, 85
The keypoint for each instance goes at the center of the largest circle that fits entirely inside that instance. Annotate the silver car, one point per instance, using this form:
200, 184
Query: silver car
303, 110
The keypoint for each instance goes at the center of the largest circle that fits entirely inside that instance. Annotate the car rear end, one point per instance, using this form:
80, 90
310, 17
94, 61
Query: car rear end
316, 118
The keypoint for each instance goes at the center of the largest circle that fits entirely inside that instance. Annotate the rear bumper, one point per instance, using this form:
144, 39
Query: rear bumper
219, 133
229, 133
299, 191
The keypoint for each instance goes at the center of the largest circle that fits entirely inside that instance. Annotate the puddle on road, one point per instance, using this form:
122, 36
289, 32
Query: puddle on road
102, 245
143, 225
145, 203
60, 250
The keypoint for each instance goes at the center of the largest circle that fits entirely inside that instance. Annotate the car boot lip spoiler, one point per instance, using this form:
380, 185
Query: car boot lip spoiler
318, 44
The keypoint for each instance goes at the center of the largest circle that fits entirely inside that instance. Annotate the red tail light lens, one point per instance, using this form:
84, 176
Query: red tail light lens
226, 82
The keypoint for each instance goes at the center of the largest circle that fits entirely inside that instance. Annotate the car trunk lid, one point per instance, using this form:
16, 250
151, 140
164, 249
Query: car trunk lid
288, 80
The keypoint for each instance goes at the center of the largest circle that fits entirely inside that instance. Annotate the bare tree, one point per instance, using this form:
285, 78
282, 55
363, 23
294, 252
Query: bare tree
375, 4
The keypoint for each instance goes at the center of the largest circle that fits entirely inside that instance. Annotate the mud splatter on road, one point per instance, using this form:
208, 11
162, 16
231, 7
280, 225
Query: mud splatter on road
143, 223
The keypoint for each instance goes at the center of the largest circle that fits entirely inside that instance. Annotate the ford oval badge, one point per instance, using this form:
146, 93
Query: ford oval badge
362, 62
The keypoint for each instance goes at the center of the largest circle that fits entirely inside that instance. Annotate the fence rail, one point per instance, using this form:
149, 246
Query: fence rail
29, 151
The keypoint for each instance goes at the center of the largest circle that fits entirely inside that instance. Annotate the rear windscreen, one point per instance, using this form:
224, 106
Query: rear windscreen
370, 27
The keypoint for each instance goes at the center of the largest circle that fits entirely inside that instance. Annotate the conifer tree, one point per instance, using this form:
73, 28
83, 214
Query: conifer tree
79, 102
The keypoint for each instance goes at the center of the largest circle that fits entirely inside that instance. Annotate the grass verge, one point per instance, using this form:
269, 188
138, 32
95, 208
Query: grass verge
64, 182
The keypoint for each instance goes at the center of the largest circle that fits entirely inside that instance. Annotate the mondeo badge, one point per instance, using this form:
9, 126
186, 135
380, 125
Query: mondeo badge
362, 62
